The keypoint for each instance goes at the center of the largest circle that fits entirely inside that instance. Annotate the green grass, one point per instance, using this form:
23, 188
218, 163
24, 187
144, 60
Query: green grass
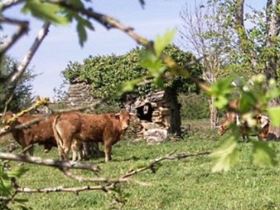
183, 184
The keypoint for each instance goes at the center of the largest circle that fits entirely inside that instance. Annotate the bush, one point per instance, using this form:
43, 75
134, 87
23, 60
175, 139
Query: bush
194, 106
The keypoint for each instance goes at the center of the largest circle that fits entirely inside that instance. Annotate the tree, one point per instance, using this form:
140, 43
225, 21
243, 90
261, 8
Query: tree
22, 95
203, 32
258, 41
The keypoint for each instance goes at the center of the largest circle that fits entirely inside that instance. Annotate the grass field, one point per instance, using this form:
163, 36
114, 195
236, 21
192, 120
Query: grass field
183, 184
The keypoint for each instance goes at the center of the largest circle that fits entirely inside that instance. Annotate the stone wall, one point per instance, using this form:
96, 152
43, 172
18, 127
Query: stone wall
154, 115
79, 94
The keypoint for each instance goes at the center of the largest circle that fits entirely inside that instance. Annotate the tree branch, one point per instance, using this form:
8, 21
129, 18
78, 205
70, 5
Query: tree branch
6, 4
106, 185
22, 29
26, 60
65, 189
125, 177
105, 20
60, 164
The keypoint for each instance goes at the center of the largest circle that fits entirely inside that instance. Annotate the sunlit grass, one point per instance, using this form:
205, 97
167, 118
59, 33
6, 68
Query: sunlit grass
183, 184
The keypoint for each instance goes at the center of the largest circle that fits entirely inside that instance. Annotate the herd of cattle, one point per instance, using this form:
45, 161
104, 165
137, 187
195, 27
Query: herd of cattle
69, 131
260, 122
73, 131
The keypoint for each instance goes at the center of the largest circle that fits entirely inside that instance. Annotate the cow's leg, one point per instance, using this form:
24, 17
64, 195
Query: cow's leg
108, 151
47, 147
28, 150
86, 150
63, 139
76, 148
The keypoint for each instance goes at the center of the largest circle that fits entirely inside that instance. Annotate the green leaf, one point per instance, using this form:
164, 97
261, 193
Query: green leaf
161, 42
272, 93
17, 172
263, 155
152, 63
220, 102
82, 33
247, 101
226, 155
222, 87
5, 187
129, 85
274, 115
45, 11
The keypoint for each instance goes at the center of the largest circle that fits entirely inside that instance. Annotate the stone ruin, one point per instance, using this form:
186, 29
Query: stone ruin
79, 94
154, 111
154, 114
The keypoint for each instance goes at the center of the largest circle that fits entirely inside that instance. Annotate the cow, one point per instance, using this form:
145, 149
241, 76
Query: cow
75, 128
262, 123
38, 133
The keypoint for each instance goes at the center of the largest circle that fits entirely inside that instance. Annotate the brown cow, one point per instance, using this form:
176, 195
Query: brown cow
38, 133
262, 121
79, 127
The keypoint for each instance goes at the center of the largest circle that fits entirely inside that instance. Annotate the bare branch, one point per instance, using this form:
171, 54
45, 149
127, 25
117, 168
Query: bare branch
125, 177
22, 29
6, 4
26, 60
7, 129
170, 156
95, 179
65, 189
105, 20
11, 83
60, 164
106, 185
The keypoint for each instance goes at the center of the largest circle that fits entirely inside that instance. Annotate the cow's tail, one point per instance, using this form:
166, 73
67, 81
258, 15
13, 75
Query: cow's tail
57, 135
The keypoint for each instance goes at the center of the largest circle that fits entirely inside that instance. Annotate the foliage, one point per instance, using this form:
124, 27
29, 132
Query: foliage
254, 96
106, 74
248, 50
7, 186
194, 106
23, 92
59, 15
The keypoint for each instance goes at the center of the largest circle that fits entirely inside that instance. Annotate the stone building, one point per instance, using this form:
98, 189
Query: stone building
158, 113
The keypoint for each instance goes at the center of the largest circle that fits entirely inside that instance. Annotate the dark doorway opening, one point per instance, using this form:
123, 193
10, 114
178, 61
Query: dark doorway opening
145, 112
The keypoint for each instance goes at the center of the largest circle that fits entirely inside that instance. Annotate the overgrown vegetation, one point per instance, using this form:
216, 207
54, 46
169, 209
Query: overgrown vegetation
194, 106
107, 74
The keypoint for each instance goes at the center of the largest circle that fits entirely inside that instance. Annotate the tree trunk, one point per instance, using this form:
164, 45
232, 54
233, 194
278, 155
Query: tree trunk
273, 29
175, 106
213, 113
274, 132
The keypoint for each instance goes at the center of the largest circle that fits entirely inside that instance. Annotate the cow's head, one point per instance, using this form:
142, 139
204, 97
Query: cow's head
262, 120
124, 118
